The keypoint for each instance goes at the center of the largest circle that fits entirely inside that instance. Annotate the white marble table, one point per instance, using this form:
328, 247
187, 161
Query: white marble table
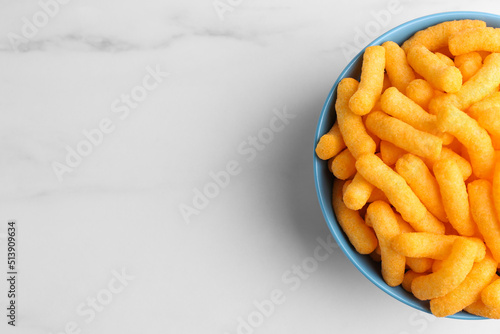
157, 159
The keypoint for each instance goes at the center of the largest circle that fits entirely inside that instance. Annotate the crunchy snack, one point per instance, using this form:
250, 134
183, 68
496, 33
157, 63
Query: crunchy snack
404, 135
420, 91
330, 143
436, 37
468, 291
468, 64
357, 193
351, 126
372, 81
441, 76
400, 74
477, 39
380, 216
373, 169
483, 211
472, 136
415, 142
454, 195
490, 295
423, 183
453, 271
360, 235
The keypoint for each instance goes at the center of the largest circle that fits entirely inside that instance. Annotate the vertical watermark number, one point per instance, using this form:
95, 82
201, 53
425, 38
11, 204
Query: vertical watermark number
11, 272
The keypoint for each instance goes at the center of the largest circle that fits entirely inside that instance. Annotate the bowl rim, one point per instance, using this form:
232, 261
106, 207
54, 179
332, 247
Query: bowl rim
319, 165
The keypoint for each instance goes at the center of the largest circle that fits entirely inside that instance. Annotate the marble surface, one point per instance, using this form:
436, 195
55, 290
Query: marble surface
157, 158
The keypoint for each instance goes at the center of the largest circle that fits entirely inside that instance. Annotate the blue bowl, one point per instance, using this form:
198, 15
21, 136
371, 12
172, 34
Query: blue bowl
324, 178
